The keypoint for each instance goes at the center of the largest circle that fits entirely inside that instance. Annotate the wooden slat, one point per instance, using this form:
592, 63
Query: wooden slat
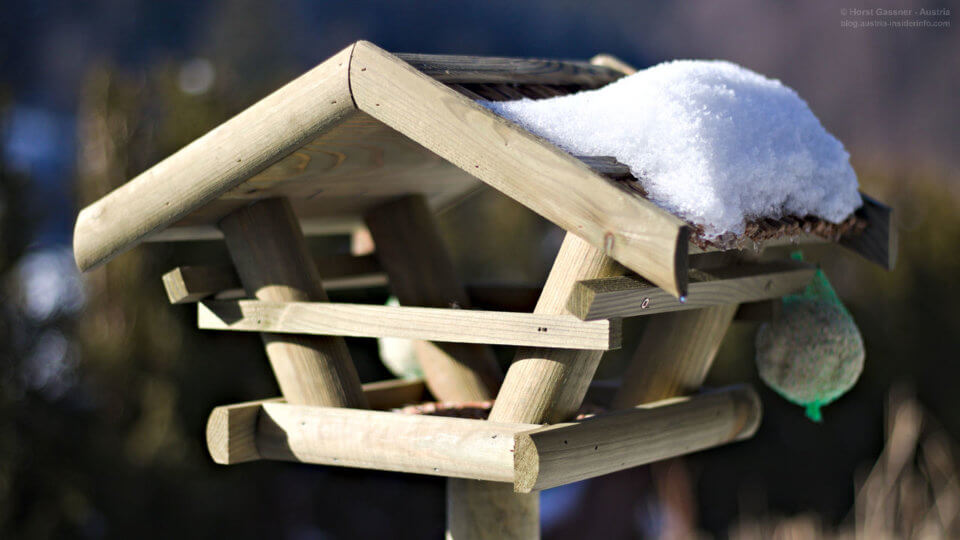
188, 284
433, 324
549, 181
528, 456
559, 454
630, 296
216, 162
393, 393
409, 246
491, 69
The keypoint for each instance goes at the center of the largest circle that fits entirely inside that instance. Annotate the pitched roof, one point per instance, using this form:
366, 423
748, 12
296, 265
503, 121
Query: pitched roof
366, 126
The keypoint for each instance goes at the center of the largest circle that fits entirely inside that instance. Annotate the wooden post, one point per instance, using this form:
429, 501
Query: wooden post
674, 355
271, 257
541, 386
421, 273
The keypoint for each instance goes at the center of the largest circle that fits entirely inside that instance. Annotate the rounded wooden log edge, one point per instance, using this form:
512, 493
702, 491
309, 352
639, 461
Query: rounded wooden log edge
745, 412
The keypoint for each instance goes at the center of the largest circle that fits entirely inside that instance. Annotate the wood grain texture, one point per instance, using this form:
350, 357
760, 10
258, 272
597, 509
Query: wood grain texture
555, 455
551, 182
433, 445
491, 69
189, 284
530, 457
421, 273
674, 355
434, 324
231, 429
542, 385
631, 296
271, 258
215, 163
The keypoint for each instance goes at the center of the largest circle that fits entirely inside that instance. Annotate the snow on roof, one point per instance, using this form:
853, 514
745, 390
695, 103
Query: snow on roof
710, 141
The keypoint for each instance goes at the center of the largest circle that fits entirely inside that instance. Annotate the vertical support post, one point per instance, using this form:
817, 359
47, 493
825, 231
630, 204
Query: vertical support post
674, 355
542, 385
411, 251
271, 257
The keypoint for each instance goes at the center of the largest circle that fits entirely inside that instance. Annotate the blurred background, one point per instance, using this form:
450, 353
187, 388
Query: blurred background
105, 388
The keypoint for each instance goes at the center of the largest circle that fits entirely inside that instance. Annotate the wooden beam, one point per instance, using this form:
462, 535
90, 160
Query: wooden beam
674, 355
549, 181
216, 162
434, 324
409, 246
393, 393
542, 385
491, 69
560, 454
231, 429
630, 296
528, 456
270, 255
433, 445
189, 284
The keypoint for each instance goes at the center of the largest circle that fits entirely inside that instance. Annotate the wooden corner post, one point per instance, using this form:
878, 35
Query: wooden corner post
541, 386
410, 250
271, 257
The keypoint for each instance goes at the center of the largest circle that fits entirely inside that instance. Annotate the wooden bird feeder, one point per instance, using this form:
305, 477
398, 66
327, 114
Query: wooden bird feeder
379, 140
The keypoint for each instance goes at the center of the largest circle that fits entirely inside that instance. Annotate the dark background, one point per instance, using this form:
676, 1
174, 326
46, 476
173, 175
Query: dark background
105, 389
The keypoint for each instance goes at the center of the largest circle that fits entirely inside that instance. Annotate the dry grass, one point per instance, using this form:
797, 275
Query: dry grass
912, 491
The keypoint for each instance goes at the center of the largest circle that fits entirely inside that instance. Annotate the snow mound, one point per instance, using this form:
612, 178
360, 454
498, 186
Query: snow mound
710, 141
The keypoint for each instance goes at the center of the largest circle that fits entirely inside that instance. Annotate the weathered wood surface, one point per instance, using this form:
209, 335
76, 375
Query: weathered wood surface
674, 356
409, 246
528, 456
560, 454
630, 296
271, 258
434, 324
549, 181
216, 162
231, 429
433, 445
542, 385
189, 284
491, 69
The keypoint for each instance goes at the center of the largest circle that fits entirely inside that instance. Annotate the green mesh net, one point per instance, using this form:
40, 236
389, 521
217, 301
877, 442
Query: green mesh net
813, 352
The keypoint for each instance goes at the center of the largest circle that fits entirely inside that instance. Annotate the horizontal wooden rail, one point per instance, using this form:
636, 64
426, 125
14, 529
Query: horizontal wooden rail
629, 296
431, 324
231, 428
559, 454
530, 456
188, 284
